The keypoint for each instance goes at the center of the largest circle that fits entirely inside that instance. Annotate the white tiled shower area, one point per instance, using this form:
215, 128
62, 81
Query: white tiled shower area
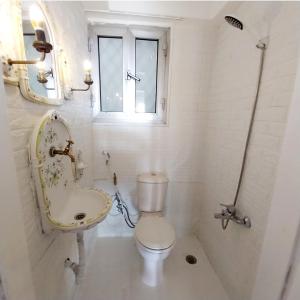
210, 82
120, 277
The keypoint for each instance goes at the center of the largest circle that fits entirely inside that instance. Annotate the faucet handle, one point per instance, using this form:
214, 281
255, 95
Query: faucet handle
229, 207
70, 142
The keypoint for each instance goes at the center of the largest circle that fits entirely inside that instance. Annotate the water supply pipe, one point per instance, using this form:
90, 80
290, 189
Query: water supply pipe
78, 269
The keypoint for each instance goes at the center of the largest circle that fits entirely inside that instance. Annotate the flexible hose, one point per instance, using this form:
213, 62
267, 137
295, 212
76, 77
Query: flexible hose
123, 209
224, 223
121, 204
250, 127
262, 47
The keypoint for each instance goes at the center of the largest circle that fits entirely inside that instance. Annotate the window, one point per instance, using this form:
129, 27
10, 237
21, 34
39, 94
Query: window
111, 73
132, 74
146, 70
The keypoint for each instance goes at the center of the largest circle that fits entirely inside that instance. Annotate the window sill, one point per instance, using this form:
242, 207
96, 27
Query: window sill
109, 121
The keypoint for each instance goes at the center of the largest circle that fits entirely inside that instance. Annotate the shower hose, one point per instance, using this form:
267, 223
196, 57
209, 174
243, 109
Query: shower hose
261, 46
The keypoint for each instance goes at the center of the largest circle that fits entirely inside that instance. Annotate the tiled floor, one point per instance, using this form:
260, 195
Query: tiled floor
113, 273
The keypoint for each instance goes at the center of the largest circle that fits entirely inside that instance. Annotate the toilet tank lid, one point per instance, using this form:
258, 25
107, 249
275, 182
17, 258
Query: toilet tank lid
153, 177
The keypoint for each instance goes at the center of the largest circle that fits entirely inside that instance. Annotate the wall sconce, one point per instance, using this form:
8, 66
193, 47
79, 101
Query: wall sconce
87, 66
40, 43
43, 74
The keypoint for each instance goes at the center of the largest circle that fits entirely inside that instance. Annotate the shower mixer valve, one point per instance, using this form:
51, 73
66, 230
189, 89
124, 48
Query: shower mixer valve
229, 212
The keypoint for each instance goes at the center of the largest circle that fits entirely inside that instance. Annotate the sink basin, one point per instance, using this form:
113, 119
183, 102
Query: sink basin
83, 209
63, 205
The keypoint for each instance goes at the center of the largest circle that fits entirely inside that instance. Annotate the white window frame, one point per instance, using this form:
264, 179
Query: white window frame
129, 34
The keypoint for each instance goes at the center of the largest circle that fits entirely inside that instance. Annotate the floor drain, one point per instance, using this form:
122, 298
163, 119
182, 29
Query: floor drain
79, 216
191, 259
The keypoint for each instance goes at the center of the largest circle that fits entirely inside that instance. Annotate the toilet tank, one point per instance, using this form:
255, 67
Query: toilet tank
151, 191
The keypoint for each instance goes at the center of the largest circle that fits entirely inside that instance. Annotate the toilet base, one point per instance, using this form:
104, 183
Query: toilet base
152, 272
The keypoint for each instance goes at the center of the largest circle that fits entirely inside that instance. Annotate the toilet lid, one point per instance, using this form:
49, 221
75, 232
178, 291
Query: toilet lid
155, 233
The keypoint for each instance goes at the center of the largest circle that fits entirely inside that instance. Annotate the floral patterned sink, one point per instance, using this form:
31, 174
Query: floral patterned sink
63, 205
84, 209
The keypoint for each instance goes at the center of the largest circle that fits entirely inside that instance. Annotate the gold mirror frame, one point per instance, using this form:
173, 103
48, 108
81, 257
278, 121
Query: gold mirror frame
19, 74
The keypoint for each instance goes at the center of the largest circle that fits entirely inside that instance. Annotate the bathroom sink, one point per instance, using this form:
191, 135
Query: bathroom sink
83, 209
63, 204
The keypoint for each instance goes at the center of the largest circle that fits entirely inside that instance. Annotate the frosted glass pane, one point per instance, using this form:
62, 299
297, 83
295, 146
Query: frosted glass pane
111, 73
146, 70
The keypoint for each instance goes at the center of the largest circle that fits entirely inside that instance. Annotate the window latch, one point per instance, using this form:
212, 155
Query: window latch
163, 103
133, 77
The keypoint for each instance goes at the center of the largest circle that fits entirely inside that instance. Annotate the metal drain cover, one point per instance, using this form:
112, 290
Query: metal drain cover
191, 259
79, 216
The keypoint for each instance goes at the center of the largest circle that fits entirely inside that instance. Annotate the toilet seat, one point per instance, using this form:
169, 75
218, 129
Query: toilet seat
154, 233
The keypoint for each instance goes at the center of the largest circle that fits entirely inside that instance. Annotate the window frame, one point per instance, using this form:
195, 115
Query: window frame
129, 34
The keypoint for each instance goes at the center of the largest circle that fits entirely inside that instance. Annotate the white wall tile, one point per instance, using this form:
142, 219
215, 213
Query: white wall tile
173, 149
213, 81
234, 253
47, 252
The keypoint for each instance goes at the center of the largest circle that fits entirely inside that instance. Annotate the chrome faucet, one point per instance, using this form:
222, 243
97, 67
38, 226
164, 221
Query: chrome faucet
229, 213
66, 151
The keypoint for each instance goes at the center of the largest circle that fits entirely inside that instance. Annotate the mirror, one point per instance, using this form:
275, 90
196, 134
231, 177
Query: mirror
39, 82
49, 88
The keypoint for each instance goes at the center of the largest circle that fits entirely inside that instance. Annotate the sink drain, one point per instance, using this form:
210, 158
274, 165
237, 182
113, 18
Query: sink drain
79, 216
191, 259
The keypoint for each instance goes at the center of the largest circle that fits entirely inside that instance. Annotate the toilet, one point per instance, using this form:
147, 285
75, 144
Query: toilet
154, 236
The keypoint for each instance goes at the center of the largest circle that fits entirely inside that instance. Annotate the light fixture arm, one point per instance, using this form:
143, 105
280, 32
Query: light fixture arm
26, 62
87, 80
81, 90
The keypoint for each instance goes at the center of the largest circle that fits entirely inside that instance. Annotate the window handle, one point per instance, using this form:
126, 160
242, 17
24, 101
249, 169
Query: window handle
131, 76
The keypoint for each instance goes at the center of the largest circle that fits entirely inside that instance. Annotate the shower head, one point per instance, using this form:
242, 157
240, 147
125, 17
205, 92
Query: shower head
234, 22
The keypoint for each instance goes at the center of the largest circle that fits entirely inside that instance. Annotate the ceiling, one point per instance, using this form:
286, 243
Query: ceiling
204, 10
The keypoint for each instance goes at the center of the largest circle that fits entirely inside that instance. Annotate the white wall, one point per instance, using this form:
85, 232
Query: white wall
234, 253
48, 252
282, 236
212, 89
292, 289
15, 273
173, 149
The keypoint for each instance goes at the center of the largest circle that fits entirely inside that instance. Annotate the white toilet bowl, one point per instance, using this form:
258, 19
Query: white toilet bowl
155, 238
